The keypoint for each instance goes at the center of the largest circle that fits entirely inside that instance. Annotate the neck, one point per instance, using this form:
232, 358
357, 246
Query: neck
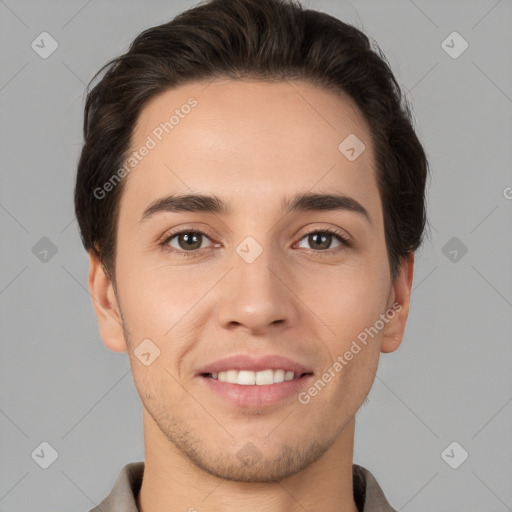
173, 483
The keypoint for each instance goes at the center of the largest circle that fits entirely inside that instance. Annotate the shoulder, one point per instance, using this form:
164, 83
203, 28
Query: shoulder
122, 498
368, 494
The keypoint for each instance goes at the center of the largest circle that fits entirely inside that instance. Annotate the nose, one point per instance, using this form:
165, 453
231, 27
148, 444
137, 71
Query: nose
257, 296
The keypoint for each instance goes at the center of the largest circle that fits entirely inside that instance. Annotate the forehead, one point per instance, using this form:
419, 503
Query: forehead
251, 139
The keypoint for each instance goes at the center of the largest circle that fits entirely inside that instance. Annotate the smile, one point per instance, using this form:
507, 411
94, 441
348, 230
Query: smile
250, 378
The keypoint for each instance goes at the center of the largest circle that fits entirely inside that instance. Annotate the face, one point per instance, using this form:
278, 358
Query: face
241, 276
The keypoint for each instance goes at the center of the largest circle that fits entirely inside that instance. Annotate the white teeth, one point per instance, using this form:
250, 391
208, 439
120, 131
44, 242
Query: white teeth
288, 376
249, 378
278, 376
246, 378
231, 375
265, 377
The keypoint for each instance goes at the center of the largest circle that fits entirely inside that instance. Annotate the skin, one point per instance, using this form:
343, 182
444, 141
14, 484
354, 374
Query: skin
250, 143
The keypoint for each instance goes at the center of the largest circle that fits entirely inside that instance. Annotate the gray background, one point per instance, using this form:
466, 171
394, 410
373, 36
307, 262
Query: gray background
449, 381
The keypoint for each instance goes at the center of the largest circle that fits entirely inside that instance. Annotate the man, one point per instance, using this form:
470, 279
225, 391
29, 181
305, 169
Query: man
251, 194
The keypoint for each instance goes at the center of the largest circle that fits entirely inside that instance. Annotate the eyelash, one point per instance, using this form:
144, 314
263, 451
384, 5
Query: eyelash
345, 241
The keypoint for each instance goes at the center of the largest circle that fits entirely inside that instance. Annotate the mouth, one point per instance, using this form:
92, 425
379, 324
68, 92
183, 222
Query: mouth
256, 378
250, 381
256, 390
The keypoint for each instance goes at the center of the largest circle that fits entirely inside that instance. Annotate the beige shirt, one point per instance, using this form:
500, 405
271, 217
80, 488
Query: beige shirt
367, 493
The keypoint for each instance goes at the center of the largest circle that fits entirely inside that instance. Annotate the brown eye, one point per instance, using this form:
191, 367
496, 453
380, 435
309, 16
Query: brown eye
321, 240
186, 240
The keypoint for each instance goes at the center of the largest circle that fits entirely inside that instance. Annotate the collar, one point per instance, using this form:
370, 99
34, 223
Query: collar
368, 495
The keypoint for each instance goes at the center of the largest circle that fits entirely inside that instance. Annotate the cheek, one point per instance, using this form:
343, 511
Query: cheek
357, 379
155, 386
154, 298
347, 299
170, 307
348, 306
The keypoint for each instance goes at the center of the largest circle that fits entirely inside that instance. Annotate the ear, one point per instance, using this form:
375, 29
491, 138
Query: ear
399, 297
105, 305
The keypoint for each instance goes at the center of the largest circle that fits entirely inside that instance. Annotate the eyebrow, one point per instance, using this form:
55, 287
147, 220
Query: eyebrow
301, 202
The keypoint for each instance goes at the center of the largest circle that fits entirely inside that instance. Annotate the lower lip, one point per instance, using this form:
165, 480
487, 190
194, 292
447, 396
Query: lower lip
254, 396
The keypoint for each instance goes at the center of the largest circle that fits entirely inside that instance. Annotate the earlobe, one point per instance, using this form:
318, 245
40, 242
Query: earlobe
106, 306
398, 309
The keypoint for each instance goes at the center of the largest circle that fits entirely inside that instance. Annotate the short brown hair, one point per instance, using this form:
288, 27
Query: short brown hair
266, 40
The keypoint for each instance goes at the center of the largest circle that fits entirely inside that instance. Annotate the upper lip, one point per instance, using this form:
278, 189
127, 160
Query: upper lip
255, 364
